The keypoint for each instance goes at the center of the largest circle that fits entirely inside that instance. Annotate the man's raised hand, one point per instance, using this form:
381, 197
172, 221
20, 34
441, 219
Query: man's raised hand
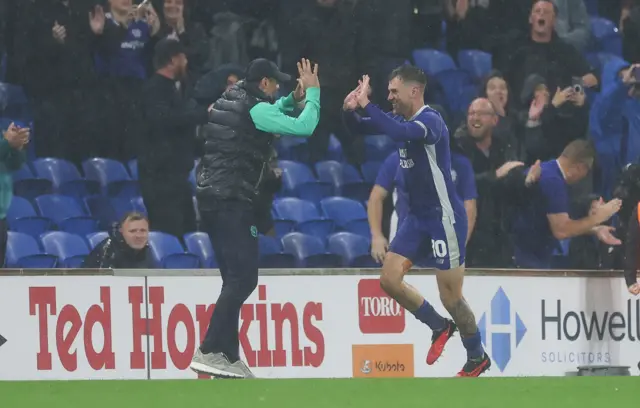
308, 76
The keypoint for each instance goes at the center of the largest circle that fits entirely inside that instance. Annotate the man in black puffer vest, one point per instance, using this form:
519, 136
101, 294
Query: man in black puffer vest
237, 148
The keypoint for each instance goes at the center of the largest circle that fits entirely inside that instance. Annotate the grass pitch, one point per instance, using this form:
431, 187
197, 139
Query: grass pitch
561, 392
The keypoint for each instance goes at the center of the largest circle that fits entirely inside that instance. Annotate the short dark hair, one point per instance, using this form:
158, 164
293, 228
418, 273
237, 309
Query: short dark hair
409, 73
580, 151
133, 216
165, 50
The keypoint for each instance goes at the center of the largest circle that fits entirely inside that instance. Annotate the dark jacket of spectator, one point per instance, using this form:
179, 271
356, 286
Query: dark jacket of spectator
489, 244
572, 23
53, 66
586, 252
335, 38
556, 61
235, 151
114, 253
212, 85
168, 147
271, 184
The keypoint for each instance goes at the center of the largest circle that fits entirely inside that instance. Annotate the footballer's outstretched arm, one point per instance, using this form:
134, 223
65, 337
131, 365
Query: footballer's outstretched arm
427, 127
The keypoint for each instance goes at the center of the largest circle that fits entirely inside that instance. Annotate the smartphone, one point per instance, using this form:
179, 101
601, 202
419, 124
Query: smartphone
577, 84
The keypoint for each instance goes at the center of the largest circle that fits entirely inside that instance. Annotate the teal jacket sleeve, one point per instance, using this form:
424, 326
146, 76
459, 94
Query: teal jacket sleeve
286, 104
271, 118
13, 159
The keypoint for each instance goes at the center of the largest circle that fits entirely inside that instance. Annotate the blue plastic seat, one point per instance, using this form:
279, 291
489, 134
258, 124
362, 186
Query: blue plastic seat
605, 36
23, 251
101, 210
298, 180
168, 252
124, 205
353, 249
305, 214
378, 147
95, 238
477, 63
65, 177
66, 213
70, 249
272, 255
133, 168
309, 251
27, 185
334, 150
432, 62
199, 243
370, 171
22, 217
453, 83
348, 214
112, 176
292, 148
345, 178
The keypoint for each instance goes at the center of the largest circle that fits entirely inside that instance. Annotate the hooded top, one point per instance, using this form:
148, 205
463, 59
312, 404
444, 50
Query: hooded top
115, 253
210, 87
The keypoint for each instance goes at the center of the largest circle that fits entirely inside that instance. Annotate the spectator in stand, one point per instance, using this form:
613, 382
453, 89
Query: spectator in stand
426, 24
12, 157
545, 54
544, 219
168, 149
127, 246
632, 255
60, 77
572, 23
214, 83
330, 33
176, 24
492, 159
552, 122
122, 58
496, 90
586, 252
630, 27
389, 180
615, 120
471, 24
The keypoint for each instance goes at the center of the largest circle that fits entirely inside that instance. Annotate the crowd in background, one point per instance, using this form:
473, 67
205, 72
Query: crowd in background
83, 63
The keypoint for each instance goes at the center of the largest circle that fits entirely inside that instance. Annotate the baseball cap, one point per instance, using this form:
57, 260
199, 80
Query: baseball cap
263, 68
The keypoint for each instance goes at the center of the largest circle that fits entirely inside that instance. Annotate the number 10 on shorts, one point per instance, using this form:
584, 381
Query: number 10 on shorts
439, 248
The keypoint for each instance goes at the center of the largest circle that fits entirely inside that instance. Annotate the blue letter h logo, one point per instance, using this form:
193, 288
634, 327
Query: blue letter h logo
504, 331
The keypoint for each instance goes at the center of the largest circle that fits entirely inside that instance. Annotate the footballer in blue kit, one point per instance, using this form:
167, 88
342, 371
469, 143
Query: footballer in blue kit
435, 228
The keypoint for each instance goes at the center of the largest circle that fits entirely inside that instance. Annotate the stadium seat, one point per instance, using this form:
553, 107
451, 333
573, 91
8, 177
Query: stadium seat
27, 185
370, 171
292, 148
334, 150
124, 205
475, 62
23, 251
283, 226
133, 168
199, 243
101, 210
169, 253
353, 249
70, 249
272, 256
345, 178
453, 83
309, 251
305, 214
605, 36
65, 177
299, 181
22, 217
378, 147
432, 62
348, 214
68, 214
95, 238
112, 176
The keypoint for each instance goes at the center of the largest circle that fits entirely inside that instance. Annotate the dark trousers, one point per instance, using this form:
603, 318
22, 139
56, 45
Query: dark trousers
234, 236
4, 235
169, 203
